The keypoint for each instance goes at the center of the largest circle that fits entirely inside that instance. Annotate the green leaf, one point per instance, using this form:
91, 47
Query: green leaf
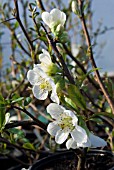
1, 99
102, 114
83, 124
2, 111
17, 100
97, 120
42, 38
71, 103
84, 76
2, 117
28, 146
76, 96
27, 101
16, 25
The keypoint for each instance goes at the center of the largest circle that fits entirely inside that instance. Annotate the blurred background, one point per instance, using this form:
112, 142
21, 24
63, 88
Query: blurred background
102, 19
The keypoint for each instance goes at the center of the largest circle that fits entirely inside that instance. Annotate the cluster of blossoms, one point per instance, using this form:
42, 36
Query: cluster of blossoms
65, 125
42, 83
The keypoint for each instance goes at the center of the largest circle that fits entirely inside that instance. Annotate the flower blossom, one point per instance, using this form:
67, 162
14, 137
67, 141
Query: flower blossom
65, 125
54, 18
92, 141
46, 63
42, 84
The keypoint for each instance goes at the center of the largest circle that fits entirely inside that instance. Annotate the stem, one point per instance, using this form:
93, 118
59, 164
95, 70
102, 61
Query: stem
17, 17
88, 41
20, 123
79, 163
39, 123
40, 4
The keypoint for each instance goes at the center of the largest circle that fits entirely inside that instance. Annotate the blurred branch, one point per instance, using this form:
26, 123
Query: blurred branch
40, 4
10, 19
17, 17
20, 123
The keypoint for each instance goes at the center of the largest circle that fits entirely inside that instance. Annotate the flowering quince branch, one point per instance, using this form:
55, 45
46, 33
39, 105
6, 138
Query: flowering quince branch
66, 122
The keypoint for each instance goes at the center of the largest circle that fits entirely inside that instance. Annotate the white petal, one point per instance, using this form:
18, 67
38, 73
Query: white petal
59, 17
84, 145
32, 76
55, 110
79, 135
71, 144
38, 69
97, 141
13, 118
40, 94
63, 18
54, 97
61, 136
71, 114
52, 128
46, 18
45, 57
7, 117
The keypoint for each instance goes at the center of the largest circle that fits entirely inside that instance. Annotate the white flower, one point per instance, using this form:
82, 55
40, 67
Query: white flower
92, 141
65, 124
45, 60
54, 18
42, 84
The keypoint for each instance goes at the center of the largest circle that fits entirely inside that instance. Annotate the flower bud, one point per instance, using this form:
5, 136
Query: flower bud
74, 6
60, 28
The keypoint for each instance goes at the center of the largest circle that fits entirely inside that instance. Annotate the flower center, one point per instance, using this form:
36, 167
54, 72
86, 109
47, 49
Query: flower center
45, 85
66, 122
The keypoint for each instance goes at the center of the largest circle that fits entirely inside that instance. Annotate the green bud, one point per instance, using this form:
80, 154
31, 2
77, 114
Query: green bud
64, 37
52, 69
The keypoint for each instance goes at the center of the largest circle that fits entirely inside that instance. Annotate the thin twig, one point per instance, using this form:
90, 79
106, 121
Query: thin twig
39, 123
22, 47
40, 4
17, 17
7, 20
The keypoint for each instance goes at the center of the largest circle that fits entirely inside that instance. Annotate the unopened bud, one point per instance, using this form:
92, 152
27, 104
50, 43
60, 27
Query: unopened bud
59, 28
74, 6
